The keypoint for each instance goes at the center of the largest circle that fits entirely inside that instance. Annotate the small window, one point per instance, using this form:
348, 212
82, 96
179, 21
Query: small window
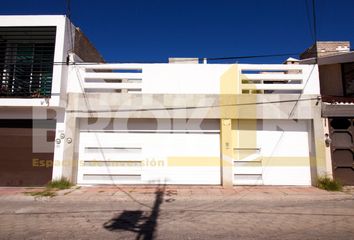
340, 123
348, 79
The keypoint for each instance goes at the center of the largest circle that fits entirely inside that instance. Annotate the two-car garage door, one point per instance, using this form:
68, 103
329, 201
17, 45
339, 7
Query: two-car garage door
144, 155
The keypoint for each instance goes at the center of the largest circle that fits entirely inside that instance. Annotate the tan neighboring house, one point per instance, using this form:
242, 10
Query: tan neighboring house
336, 72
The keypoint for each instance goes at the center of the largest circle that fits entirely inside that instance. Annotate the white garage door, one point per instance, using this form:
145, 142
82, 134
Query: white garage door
143, 156
278, 155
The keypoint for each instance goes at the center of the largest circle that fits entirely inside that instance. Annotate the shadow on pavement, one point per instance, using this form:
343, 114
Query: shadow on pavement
137, 221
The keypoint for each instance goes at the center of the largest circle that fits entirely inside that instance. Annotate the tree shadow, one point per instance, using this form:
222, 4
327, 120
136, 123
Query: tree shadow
136, 221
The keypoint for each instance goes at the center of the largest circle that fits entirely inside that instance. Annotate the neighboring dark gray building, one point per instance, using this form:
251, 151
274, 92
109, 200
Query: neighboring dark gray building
33, 74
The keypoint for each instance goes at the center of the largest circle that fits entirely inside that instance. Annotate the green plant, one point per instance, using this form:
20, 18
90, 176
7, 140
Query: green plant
62, 183
329, 184
44, 193
51, 188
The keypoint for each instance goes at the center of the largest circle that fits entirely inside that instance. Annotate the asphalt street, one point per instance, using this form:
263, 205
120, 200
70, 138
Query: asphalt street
162, 212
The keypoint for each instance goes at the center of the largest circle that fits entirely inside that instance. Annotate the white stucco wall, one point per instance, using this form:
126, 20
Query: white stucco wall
183, 78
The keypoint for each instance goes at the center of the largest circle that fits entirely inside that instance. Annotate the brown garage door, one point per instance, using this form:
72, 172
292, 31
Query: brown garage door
342, 147
20, 163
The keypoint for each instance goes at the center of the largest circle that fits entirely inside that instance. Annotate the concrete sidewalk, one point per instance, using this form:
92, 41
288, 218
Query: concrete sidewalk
181, 191
177, 212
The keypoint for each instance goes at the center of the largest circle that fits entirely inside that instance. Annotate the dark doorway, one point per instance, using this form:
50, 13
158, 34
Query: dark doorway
20, 164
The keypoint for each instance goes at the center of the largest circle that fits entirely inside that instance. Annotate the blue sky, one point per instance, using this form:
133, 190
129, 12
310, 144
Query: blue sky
137, 31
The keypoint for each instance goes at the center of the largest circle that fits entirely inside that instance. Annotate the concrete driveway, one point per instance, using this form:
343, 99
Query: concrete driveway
167, 212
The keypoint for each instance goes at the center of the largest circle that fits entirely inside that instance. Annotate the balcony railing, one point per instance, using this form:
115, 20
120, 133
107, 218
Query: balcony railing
114, 77
274, 78
197, 78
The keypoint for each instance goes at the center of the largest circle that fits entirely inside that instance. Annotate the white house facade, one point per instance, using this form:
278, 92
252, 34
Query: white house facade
175, 123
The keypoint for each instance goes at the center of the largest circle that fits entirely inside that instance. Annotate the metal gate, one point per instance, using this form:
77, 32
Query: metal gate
342, 149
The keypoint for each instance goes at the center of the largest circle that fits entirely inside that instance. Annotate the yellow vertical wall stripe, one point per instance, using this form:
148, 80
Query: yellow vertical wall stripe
229, 85
235, 134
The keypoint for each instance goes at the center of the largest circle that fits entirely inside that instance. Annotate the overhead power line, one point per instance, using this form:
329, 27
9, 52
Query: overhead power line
316, 53
193, 107
309, 20
314, 19
72, 40
211, 59
253, 56
315, 27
